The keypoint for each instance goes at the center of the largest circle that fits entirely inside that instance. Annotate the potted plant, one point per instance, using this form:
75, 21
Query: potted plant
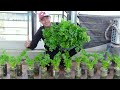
19, 65
12, 62
68, 64
2, 66
78, 68
90, 63
117, 67
83, 56
4, 57
99, 64
37, 60
30, 67
19, 62
56, 62
104, 68
96, 60
43, 63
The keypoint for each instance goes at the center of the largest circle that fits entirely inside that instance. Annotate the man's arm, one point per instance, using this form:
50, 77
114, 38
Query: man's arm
72, 52
36, 39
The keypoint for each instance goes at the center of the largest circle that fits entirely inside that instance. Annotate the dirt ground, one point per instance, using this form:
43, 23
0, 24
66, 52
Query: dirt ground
61, 73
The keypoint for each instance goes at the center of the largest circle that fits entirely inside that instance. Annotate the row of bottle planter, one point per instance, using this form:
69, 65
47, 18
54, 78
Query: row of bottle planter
37, 70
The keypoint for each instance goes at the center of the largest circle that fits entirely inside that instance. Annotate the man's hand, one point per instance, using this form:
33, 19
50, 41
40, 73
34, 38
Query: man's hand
27, 43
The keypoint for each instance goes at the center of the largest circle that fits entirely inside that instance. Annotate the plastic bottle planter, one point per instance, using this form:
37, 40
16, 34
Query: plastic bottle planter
90, 73
104, 73
44, 74
84, 70
13, 73
97, 68
36, 68
117, 73
67, 74
30, 73
78, 72
3, 70
55, 74
19, 70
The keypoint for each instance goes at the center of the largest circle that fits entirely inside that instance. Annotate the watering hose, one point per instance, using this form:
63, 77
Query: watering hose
111, 23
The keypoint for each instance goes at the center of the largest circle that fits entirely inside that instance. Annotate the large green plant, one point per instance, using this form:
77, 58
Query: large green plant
66, 35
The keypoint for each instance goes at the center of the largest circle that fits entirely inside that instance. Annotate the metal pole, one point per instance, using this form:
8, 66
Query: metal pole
74, 17
69, 15
63, 14
28, 26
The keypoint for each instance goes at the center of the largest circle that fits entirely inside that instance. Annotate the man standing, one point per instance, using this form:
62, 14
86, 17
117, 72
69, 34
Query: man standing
44, 18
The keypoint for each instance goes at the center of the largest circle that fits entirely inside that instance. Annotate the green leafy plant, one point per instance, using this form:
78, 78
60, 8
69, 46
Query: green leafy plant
66, 35
18, 59
83, 56
56, 61
100, 56
105, 64
38, 57
4, 57
67, 61
29, 63
45, 61
23, 53
12, 61
78, 60
91, 62
21, 56
116, 59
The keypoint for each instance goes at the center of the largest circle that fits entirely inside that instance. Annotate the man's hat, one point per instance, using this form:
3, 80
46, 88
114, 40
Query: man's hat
43, 14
